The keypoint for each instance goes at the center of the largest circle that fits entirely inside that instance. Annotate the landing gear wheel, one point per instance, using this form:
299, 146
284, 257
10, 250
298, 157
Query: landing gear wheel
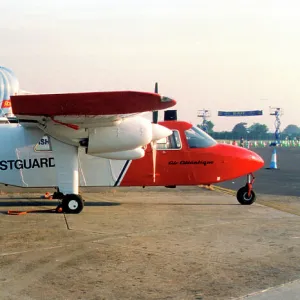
72, 204
243, 197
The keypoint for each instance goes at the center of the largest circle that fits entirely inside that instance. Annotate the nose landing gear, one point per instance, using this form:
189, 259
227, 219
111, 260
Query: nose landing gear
245, 195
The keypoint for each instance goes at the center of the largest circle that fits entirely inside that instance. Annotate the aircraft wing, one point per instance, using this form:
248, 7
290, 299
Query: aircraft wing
86, 110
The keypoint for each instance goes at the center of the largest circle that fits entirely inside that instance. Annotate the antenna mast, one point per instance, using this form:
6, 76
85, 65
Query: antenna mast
204, 114
277, 112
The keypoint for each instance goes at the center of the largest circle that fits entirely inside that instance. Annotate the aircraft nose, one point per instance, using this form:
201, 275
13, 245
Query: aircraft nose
239, 161
256, 160
247, 160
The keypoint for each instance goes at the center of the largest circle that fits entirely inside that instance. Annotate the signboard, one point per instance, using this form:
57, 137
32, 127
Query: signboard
249, 113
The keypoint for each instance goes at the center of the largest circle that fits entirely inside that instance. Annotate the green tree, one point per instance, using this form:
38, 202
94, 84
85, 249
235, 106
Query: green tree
210, 127
223, 135
239, 130
291, 129
258, 131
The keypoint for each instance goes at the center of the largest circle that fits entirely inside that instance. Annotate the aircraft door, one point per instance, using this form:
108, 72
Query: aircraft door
171, 157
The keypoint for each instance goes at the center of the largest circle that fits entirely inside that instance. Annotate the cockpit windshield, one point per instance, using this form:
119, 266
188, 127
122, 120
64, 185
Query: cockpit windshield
197, 138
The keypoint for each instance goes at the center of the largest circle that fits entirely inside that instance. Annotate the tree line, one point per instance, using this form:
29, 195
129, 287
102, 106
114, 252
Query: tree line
257, 131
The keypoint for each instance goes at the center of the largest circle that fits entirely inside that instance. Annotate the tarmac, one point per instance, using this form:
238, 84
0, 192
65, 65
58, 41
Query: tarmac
289, 291
284, 181
152, 243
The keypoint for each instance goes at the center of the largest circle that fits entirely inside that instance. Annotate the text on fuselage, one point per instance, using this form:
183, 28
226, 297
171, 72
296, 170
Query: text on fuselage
191, 162
30, 163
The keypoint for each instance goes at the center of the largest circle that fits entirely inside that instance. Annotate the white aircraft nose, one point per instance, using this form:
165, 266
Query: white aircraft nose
159, 132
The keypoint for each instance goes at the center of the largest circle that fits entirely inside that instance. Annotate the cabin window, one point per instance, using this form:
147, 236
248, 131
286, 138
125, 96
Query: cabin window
171, 142
197, 138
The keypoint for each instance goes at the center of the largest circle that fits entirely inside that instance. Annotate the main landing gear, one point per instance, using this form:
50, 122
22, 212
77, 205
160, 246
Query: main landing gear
70, 203
245, 195
67, 177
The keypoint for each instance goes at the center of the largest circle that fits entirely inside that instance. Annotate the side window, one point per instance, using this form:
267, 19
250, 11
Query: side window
171, 142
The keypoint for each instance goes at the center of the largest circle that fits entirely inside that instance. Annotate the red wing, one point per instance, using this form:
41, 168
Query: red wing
88, 104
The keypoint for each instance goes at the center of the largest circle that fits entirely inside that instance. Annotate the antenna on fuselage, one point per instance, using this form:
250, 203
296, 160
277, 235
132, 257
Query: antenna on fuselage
170, 115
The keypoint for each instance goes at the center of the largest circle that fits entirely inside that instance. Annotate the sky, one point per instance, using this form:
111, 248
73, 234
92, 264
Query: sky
218, 55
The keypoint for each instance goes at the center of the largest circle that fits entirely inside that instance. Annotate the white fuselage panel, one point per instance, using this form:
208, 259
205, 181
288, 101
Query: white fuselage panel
27, 160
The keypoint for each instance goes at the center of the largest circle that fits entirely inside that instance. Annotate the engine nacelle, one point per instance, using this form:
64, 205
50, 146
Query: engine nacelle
123, 155
132, 133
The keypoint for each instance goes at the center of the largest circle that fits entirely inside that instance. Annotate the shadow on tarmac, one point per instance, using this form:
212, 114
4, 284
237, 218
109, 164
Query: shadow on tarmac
50, 203
54, 204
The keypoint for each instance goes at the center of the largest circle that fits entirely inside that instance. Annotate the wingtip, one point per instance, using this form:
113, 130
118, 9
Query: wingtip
167, 100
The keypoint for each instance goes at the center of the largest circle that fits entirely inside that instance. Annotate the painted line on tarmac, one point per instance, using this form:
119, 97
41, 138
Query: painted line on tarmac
32, 250
261, 202
219, 189
279, 206
267, 289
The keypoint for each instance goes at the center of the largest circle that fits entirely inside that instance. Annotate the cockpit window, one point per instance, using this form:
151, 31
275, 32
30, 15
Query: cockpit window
171, 142
197, 138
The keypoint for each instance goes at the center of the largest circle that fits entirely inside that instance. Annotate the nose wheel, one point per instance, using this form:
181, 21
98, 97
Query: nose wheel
245, 195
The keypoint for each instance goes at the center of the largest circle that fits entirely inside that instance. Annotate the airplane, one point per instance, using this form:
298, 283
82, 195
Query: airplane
103, 124
89, 145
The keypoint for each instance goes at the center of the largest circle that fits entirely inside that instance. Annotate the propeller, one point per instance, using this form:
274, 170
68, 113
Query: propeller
155, 112
158, 132
154, 143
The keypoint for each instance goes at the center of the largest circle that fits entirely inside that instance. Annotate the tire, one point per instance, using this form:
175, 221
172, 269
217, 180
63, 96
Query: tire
72, 204
243, 198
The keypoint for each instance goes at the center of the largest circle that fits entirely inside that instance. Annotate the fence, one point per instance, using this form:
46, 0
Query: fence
262, 143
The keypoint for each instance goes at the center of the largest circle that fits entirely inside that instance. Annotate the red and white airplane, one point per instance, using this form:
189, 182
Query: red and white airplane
98, 139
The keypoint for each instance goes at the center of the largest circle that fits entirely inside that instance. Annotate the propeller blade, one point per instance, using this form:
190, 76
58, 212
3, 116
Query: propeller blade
154, 144
157, 133
155, 113
155, 116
